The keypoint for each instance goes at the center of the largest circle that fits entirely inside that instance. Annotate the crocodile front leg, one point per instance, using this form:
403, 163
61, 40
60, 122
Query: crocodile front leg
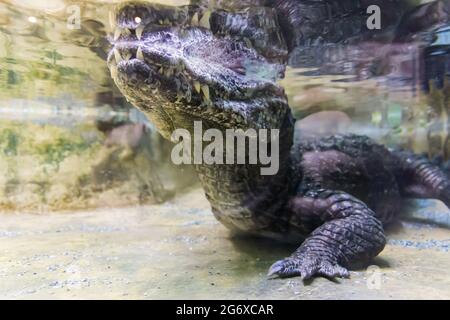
350, 232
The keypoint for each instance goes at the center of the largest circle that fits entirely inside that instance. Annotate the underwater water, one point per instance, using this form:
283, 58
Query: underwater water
54, 83
68, 139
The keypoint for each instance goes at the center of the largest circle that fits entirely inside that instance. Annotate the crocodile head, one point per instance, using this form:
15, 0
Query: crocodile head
179, 65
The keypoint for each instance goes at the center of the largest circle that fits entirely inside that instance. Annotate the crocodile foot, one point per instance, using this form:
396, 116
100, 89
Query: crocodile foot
307, 267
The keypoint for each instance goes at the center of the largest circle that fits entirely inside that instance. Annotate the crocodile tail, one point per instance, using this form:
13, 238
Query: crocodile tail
318, 22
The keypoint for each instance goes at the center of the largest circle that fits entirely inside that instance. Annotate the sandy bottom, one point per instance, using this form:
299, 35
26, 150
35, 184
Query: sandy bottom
178, 251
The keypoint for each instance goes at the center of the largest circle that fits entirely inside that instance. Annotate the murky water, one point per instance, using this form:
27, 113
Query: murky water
60, 111
68, 139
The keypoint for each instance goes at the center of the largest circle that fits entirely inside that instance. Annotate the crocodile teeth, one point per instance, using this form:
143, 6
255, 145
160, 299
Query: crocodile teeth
161, 70
112, 19
204, 21
117, 56
197, 86
117, 34
205, 90
113, 71
139, 54
194, 20
139, 31
126, 31
168, 73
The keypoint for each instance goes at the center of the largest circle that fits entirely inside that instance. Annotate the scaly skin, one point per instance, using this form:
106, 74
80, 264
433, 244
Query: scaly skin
192, 63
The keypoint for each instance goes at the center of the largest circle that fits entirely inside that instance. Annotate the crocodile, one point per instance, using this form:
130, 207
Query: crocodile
218, 62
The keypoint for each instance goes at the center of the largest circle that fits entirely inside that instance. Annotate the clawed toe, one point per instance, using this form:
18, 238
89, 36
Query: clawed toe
333, 271
306, 269
283, 269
